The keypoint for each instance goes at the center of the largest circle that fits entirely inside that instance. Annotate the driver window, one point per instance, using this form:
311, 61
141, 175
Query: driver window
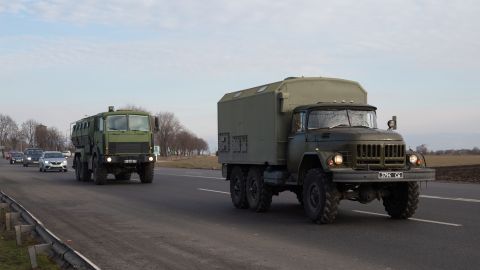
298, 122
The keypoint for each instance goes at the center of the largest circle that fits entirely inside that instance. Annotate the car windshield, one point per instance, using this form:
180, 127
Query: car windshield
17, 154
342, 118
138, 122
35, 152
53, 155
117, 122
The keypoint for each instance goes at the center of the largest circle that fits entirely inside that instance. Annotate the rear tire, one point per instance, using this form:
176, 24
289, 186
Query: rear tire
238, 188
259, 195
402, 201
146, 173
99, 172
320, 197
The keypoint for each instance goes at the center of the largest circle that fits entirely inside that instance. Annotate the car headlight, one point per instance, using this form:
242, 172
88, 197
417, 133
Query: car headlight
46, 162
413, 159
338, 159
29, 158
64, 162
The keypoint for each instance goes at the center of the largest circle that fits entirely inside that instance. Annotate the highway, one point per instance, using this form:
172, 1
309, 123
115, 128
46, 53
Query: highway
185, 220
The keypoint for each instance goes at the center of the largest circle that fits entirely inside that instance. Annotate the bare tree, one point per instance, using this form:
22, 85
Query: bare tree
28, 131
169, 126
133, 107
7, 128
422, 149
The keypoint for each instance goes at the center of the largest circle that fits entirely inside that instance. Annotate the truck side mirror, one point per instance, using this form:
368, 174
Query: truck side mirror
157, 125
392, 124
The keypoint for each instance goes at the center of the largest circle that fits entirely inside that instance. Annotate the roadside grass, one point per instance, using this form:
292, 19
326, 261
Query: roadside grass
211, 162
13, 257
452, 160
197, 162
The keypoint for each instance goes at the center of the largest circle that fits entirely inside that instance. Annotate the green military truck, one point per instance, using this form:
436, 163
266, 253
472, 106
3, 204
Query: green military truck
117, 142
318, 138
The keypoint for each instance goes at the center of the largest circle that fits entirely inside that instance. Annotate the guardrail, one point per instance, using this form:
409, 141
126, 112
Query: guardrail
67, 254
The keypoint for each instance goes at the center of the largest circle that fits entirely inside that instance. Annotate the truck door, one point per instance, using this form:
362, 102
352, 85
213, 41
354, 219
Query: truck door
296, 141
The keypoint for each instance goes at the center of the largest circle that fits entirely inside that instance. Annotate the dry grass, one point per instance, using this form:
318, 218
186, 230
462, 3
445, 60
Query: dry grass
452, 160
200, 162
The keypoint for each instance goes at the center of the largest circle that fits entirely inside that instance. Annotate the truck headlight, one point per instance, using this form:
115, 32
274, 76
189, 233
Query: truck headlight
109, 159
413, 159
338, 159
150, 159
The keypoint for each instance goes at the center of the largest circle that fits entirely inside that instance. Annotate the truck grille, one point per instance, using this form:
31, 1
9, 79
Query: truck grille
380, 156
128, 147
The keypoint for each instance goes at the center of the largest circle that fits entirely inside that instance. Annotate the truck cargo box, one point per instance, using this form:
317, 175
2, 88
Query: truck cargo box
253, 124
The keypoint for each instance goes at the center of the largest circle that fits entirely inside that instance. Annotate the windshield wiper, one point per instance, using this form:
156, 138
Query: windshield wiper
362, 126
340, 125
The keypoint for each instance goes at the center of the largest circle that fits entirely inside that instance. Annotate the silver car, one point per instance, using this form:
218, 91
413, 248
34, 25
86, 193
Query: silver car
52, 161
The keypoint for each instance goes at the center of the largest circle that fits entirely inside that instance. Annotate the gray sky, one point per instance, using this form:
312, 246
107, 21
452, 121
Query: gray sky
419, 60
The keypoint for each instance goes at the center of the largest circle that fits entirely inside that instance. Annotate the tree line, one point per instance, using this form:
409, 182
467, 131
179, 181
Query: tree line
173, 138
424, 150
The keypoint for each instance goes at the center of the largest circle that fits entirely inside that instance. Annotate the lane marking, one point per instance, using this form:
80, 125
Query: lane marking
193, 176
450, 198
215, 191
414, 219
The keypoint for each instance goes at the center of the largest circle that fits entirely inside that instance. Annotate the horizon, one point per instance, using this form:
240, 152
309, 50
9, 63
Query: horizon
60, 61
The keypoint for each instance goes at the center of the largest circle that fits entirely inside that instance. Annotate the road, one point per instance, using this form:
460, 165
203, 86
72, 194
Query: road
185, 220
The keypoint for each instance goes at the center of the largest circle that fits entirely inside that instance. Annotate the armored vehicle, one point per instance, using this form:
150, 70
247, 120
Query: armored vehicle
316, 137
117, 142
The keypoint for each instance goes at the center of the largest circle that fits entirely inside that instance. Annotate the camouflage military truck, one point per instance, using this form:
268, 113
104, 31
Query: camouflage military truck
117, 142
318, 138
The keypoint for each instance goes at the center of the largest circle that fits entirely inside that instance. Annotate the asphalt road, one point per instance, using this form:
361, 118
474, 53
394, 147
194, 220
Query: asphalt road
185, 220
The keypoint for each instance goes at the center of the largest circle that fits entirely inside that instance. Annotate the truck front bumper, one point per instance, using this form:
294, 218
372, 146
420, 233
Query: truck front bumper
356, 176
132, 160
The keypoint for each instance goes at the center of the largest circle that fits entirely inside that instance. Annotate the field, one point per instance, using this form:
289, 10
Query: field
452, 160
211, 162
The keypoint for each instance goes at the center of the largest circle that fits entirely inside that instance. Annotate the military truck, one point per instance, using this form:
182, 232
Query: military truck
316, 137
114, 142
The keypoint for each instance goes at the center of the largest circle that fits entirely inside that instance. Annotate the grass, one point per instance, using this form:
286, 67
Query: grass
452, 160
199, 162
13, 257
211, 162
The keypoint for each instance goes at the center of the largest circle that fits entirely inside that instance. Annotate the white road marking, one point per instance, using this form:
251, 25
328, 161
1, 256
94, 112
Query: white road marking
450, 199
216, 191
194, 176
414, 219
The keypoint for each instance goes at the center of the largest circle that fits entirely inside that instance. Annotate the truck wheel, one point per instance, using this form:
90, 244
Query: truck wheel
320, 197
238, 188
259, 195
146, 173
78, 174
402, 201
99, 172
123, 176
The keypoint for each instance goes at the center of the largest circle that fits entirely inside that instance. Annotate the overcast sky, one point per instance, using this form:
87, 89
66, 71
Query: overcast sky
420, 60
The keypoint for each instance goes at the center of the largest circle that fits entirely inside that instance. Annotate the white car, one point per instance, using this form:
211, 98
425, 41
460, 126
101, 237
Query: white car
52, 161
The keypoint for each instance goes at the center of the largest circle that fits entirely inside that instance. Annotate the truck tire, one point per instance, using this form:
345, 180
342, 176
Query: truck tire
146, 173
123, 176
402, 201
320, 197
99, 172
238, 188
259, 195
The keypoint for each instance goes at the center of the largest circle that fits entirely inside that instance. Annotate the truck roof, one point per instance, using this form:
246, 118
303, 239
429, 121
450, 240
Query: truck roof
322, 105
275, 86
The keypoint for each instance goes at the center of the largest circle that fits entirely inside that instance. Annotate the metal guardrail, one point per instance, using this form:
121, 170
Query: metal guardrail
65, 252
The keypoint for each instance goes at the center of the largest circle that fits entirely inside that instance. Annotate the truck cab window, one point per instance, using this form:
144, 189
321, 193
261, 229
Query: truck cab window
117, 122
298, 122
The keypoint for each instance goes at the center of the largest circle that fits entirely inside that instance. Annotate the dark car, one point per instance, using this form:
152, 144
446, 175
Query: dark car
16, 157
31, 156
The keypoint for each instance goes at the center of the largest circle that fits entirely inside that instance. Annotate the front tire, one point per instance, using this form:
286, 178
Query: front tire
320, 197
146, 173
403, 200
99, 172
259, 196
238, 188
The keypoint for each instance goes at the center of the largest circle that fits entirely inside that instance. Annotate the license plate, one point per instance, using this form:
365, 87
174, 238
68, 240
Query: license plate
130, 161
390, 175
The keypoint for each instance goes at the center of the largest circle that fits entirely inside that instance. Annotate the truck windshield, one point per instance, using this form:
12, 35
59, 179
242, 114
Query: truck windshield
342, 118
117, 122
138, 123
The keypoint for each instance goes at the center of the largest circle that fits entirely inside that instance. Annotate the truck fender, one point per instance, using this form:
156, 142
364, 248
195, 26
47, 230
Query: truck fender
310, 160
